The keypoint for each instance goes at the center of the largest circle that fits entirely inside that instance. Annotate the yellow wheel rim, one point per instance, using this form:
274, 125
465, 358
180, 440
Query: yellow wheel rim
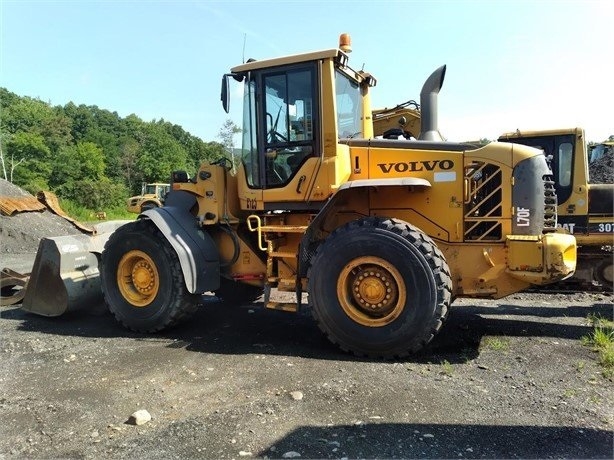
137, 278
371, 291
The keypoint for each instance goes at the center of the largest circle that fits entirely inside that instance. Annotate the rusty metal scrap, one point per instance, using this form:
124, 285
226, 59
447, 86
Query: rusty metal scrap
12, 286
10, 205
50, 200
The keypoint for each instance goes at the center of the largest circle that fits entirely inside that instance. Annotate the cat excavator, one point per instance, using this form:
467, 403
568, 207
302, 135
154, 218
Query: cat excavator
382, 234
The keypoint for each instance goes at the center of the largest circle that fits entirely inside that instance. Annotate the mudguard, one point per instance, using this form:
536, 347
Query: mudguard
197, 252
306, 247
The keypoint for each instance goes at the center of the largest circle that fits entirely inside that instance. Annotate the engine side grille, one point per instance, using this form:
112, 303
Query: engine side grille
483, 210
550, 203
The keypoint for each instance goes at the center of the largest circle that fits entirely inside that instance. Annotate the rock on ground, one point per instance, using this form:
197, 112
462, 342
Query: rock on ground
601, 171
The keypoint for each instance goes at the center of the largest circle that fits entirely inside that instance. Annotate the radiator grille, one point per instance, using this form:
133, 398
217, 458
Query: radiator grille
483, 209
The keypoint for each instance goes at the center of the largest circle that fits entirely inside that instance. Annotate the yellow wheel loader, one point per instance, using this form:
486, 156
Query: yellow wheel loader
381, 234
152, 196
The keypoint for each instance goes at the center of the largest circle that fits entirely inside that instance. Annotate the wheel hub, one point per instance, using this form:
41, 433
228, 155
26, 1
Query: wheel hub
143, 277
371, 291
137, 278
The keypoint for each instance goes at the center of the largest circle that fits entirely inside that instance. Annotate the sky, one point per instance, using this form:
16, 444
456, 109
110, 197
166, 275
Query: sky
511, 65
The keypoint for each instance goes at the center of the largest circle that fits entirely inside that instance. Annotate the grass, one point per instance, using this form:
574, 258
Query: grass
87, 215
446, 368
496, 343
601, 340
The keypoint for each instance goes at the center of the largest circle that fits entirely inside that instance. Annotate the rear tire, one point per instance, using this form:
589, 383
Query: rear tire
142, 280
379, 287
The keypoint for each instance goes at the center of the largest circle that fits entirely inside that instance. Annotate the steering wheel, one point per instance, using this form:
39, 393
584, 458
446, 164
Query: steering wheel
274, 136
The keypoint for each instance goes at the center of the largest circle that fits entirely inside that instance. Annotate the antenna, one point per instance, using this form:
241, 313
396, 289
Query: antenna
244, 40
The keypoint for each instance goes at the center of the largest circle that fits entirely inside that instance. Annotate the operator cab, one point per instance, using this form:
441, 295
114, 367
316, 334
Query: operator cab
289, 123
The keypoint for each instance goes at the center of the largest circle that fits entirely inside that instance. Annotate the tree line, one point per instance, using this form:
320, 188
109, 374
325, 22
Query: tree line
92, 156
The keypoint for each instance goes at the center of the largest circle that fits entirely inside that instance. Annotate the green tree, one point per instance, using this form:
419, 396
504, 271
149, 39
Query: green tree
98, 194
160, 154
226, 135
30, 152
91, 155
81, 162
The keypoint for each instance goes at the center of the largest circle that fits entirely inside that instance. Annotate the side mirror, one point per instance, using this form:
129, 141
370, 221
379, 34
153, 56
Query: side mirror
225, 93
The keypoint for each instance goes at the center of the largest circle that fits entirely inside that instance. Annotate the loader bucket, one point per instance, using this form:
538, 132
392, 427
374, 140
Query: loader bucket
65, 275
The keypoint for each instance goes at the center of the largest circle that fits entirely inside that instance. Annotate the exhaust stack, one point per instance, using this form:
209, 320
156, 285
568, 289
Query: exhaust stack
429, 130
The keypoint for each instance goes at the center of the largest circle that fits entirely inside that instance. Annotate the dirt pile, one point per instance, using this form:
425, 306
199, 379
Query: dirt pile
21, 233
601, 171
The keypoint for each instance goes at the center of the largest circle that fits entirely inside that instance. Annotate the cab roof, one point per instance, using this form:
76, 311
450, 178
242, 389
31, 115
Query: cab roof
284, 60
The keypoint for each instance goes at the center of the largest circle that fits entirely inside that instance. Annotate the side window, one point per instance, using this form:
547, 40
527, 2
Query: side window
289, 110
565, 163
249, 150
349, 107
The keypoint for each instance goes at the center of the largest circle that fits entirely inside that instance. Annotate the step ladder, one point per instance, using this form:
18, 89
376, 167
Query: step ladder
254, 223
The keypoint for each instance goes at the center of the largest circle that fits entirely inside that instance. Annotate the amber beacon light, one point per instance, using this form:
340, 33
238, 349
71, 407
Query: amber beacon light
345, 43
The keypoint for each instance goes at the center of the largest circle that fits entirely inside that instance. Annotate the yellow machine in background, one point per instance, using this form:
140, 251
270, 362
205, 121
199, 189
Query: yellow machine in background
401, 121
152, 196
382, 234
585, 209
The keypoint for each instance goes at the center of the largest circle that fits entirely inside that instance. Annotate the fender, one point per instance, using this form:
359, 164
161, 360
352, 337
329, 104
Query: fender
307, 249
197, 252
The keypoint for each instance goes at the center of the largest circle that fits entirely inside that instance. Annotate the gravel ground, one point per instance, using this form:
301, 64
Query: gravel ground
504, 379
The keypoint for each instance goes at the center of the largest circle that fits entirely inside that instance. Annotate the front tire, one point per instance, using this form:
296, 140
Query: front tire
379, 287
142, 280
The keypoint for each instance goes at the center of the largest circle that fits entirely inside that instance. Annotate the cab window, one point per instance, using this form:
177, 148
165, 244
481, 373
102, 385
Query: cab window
349, 106
565, 153
289, 123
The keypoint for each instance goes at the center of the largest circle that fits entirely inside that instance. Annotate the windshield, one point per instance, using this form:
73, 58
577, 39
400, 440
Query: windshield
349, 106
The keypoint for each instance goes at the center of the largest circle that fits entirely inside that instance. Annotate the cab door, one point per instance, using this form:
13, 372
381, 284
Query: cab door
281, 123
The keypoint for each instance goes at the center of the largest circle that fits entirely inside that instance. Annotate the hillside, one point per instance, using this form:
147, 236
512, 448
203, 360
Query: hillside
89, 155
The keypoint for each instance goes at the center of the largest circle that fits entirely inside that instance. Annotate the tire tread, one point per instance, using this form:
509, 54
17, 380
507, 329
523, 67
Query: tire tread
436, 262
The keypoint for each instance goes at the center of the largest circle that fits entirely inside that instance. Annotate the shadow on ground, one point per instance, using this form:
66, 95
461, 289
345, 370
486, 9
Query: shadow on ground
393, 440
222, 329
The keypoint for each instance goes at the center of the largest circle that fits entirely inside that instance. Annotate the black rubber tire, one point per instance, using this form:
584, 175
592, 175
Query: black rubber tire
421, 266
172, 303
233, 292
603, 273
